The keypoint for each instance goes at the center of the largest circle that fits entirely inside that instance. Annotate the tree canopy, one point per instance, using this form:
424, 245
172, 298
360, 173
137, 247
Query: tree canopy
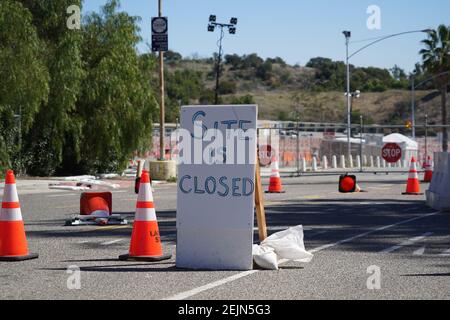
85, 98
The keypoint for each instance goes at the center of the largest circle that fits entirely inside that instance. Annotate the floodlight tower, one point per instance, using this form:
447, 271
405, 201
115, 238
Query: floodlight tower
232, 30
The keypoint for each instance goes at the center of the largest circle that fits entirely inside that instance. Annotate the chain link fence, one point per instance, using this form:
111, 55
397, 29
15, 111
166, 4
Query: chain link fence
324, 147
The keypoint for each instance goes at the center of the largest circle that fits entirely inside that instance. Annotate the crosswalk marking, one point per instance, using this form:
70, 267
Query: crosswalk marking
406, 243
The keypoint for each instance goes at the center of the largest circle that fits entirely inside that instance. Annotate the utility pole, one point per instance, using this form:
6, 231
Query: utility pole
361, 121
219, 61
347, 35
413, 111
162, 113
426, 136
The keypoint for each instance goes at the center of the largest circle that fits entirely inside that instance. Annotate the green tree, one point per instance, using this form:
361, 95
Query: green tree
227, 87
264, 71
436, 60
24, 79
182, 87
246, 99
172, 57
234, 60
54, 140
117, 100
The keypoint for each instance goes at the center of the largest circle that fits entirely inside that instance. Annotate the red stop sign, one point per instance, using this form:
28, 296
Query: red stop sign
265, 155
391, 152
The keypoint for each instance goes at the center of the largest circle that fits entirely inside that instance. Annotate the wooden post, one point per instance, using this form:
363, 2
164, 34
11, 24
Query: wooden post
259, 203
162, 116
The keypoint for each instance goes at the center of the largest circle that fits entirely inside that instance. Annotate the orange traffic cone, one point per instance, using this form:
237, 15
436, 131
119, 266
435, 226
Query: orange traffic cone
275, 185
13, 241
96, 204
413, 186
145, 239
428, 171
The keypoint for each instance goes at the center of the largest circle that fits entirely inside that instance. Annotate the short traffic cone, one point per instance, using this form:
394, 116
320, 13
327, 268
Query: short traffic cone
13, 241
413, 185
275, 185
145, 239
96, 204
428, 171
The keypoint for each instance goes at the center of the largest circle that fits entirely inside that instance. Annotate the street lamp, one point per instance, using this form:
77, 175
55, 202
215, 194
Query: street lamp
213, 24
348, 35
353, 95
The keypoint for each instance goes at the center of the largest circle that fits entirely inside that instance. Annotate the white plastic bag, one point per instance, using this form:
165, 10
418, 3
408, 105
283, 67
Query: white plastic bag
265, 257
289, 245
286, 244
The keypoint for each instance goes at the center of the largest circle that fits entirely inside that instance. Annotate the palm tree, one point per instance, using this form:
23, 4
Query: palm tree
436, 60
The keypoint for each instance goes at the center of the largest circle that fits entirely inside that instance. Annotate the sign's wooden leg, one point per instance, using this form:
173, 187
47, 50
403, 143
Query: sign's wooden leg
259, 203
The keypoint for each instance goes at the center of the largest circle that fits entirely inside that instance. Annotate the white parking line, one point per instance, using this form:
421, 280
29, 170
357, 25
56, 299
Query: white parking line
327, 246
110, 242
420, 251
446, 253
61, 195
195, 291
406, 243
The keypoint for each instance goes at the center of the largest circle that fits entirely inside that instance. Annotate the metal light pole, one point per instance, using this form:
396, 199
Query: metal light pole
298, 143
413, 109
162, 112
232, 30
361, 144
426, 136
219, 61
347, 35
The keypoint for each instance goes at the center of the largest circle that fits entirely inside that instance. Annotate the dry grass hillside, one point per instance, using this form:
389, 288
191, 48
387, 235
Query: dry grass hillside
286, 94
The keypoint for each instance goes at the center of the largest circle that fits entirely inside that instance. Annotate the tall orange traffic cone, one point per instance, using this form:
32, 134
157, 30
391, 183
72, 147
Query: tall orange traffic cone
428, 171
275, 185
13, 241
145, 239
413, 185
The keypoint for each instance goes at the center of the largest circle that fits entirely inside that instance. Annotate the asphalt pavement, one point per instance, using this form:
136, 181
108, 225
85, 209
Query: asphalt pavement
357, 239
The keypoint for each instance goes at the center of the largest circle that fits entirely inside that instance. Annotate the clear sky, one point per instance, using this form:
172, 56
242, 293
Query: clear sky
295, 30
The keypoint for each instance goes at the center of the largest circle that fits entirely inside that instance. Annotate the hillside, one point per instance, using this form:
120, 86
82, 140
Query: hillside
285, 92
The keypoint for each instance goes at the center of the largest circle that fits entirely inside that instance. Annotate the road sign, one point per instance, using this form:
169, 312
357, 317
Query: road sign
265, 155
215, 200
391, 152
160, 38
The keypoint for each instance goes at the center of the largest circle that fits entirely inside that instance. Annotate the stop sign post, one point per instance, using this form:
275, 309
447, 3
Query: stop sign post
391, 152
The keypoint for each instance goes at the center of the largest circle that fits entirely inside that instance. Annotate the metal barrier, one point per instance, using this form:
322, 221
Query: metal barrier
322, 148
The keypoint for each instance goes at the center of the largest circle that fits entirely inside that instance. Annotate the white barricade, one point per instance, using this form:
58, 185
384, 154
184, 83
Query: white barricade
438, 195
314, 164
334, 162
342, 161
324, 163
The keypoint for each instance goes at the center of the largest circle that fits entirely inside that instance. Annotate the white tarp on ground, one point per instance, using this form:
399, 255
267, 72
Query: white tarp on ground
287, 244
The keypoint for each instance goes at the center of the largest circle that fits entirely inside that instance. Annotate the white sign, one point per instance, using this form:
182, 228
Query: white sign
215, 203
